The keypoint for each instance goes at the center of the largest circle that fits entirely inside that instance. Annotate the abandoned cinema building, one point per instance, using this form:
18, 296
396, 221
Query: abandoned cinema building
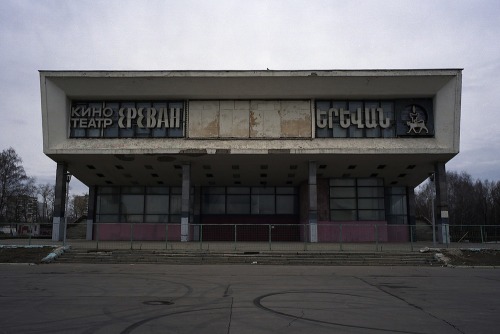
191, 150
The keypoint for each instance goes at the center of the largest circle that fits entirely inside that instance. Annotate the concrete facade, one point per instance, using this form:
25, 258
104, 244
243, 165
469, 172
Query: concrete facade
265, 123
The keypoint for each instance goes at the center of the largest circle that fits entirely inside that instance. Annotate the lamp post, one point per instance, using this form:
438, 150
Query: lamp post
68, 178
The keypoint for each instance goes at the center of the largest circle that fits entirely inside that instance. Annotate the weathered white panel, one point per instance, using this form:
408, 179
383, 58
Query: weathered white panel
265, 119
234, 123
295, 119
203, 119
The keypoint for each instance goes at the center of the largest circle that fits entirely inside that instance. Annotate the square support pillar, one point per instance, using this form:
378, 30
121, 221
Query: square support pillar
186, 190
58, 222
313, 203
441, 208
196, 213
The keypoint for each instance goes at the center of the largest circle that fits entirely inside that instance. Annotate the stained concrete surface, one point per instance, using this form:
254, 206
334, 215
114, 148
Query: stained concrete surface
76, 298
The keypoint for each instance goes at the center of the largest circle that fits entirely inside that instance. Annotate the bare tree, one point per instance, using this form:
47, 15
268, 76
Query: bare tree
424, 201
78, 206
47, 193
470, 202
13, 181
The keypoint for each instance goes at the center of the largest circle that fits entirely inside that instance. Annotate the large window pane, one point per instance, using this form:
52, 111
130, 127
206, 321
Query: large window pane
175, 204
371, 192
263, 204
238, 190
132, 204
132, 218
362, 200
397, 220
263, 190
157, 218
157, 190
396, 190
108, 204
347, 215
343, 203
108, 190
214, 204
286, 190
343, 182
371, 215
214, 190
157, 204
370, 182
285, 205
238, 204
345, 192
371, 203
397, 205
175, 219
107, 219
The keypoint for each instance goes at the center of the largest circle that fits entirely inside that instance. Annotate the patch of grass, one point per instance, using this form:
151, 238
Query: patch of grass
24, 254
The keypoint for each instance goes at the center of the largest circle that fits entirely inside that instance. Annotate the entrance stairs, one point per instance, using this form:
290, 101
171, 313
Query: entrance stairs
259, 258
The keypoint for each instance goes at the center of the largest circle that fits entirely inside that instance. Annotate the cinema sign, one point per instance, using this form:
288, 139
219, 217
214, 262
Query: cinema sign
374, 119
127, 119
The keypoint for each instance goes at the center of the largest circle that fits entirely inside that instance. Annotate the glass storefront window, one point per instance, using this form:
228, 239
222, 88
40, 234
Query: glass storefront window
238, 204
157, 204
285, 205
175, 204
138, 204
263, 204
108, 204
397, 208
214, 204
249, 200
357, 199
132, 204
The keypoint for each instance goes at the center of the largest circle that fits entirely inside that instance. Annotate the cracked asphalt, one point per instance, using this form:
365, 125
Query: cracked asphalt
93, 298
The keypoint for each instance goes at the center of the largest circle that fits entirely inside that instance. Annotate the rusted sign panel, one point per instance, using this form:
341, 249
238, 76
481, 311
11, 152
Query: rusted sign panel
204, 119
265, 119
234, 119
295, 119
249, 119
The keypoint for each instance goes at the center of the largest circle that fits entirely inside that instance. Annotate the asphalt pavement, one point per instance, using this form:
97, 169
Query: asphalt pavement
94, 298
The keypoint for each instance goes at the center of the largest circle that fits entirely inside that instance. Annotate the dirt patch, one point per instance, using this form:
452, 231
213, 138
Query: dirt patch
24, 254
473, 257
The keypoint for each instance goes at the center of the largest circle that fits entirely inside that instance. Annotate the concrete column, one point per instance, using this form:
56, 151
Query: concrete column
313, 203
441, 202
196, 212
59, 203
186, 187
91, 211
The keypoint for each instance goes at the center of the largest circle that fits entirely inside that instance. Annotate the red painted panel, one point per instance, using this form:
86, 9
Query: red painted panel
250, 227
144, 231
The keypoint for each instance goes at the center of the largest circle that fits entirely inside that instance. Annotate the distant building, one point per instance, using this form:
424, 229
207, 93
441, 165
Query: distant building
286, 148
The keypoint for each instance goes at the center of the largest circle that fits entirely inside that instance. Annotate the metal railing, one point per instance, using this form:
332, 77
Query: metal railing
254, 237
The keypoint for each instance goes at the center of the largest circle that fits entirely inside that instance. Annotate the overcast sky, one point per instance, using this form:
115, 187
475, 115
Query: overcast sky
247, 35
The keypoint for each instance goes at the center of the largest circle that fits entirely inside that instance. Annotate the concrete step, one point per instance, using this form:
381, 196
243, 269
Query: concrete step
268, 258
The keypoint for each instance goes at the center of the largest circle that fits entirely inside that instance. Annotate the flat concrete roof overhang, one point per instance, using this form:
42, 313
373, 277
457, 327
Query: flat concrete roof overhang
247, 169
403, 162
303, 84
